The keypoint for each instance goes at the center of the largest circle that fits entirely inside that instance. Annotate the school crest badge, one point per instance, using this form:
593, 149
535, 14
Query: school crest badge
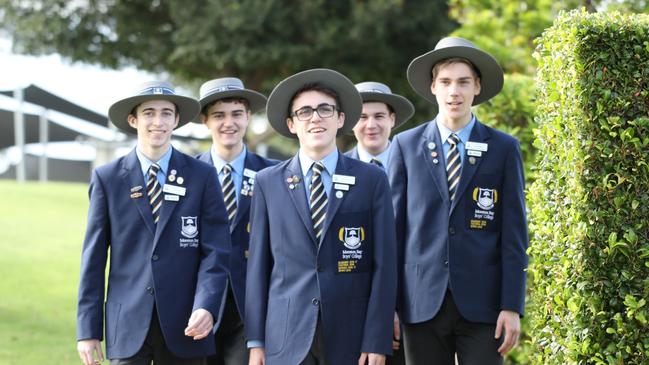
352, 238
485, 198
189, 227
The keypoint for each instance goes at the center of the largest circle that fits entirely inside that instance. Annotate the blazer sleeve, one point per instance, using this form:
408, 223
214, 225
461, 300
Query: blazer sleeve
260, 264
514, 233
212, 277
399, 187
377, 334
90, 304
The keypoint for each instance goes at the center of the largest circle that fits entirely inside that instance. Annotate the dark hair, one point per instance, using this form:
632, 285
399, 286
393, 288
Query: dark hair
390, 108
452, 60
315, 87
231, 99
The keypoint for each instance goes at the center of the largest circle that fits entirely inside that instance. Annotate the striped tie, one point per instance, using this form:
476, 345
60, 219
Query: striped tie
376, 162
318, 200
229, 196
153, 191
453, 165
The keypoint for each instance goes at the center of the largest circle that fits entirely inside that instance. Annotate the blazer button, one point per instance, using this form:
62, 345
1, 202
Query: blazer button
445, 263
154, 258
149, 290
451, 231
315, 302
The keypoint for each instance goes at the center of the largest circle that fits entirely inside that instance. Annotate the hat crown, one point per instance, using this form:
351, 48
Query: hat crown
373, 87
454, 42
154, 88
220, 85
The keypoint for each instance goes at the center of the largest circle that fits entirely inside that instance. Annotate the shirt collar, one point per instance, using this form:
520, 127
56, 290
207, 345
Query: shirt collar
365, 156
237, 164
463, 133
329, 161
163, 162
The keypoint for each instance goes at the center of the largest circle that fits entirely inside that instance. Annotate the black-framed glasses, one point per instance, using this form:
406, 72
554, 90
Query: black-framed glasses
306, 112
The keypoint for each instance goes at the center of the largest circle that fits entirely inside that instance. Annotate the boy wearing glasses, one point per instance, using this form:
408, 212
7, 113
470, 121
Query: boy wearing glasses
322, 269
226, 109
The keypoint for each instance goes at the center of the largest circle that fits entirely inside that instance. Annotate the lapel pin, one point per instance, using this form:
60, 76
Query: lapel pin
172, 178
472, 160
180, 180
435, 161
136, 188
173, 172
433, 154
291, 186
136, 195
431, 145
339, 194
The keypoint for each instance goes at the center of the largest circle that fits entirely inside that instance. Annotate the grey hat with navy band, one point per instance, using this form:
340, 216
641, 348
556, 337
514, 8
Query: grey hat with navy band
187, 108
376, 91
277, 109
491, 74
230, 87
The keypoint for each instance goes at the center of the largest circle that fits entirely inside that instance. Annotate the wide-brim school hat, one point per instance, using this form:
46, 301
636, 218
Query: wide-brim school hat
376, 91
277, 109
491, 74
187, 108
230, 87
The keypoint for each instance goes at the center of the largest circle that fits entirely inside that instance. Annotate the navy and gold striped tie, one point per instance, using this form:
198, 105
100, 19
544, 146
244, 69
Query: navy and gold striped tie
318, 199
154, 192
229, 195
376, 162
453, 165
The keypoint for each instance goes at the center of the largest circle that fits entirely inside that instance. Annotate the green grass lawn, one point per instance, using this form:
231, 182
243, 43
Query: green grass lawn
41, 233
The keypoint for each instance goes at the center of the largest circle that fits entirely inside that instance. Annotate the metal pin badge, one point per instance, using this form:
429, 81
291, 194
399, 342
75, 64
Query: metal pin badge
435, 161
172, 178
180, 180
433, 154
339, 194
173, 172
431, 145
472, 160
291, 186
136, 188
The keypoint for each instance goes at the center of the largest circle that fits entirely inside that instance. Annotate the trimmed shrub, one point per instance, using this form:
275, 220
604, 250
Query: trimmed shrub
590, 200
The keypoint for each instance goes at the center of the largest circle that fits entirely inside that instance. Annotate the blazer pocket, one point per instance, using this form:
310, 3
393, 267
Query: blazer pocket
276, 325
112, 318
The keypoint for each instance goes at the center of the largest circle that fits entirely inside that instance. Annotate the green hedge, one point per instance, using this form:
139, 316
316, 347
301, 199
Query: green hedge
590, 200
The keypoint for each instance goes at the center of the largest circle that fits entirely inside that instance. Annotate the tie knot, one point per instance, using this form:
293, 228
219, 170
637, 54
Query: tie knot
153, 169
376, 162
227, 169
317, 168
453, 139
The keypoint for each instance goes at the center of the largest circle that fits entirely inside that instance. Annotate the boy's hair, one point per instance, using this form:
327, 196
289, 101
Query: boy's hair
449, 61
315, 87
232, 99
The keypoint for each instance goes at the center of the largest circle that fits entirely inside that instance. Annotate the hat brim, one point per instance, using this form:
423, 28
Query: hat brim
256, 100
278, 101
188, 108
403, 108
491, 74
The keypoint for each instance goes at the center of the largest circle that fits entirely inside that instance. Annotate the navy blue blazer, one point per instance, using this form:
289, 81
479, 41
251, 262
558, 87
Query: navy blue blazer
177, 265
476, 247
240, 230
348, 278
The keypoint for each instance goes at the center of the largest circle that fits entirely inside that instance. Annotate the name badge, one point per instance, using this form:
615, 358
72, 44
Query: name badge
344, 179
477, 146
341, 187
474, 153
172, 198
174, 189
249, 173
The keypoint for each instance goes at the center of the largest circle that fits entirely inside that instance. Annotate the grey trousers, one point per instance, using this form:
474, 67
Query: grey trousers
230, 337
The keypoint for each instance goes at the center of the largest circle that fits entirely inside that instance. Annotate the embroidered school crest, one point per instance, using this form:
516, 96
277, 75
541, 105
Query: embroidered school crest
189, 227
352, 238
485, 198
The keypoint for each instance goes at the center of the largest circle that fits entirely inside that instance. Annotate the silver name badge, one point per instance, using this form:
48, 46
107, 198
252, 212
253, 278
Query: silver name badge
172, 198
477, 146
341, 187
474, 153
344, 179
249, 173
174, 189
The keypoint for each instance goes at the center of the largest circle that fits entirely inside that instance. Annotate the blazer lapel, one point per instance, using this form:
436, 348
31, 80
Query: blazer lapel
333, 202
177, 162
243, 205
297, 194
431, 138
132, 174
478, 134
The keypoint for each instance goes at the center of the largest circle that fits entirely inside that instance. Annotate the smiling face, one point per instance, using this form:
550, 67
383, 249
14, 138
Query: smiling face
227, 121
455, 85
317, 135
154, 121
373, 128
